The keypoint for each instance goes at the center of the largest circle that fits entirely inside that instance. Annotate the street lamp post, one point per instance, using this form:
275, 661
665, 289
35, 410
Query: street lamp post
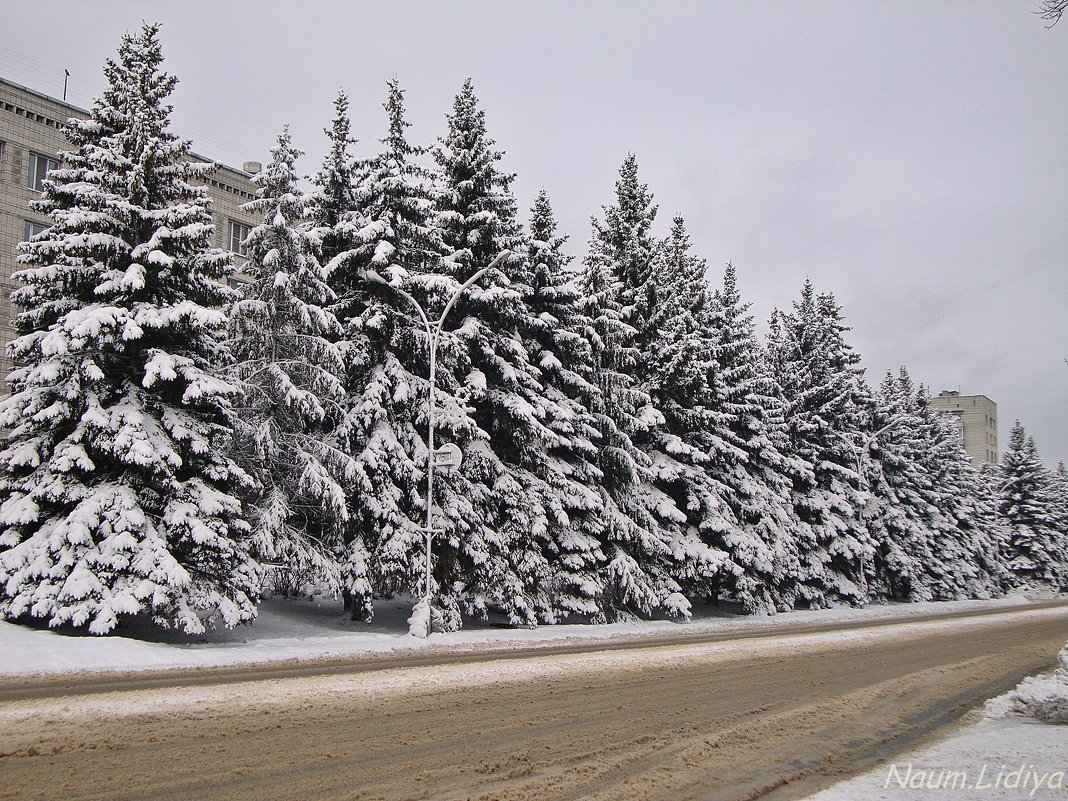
422, 614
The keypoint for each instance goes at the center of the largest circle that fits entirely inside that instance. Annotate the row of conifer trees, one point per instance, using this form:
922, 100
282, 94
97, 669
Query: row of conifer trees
630, 444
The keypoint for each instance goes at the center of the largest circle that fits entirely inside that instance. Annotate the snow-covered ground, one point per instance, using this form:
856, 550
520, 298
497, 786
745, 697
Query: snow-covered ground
302, 629
1013, 749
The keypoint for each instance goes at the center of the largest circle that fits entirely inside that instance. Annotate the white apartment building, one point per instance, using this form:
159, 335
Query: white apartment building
976, 419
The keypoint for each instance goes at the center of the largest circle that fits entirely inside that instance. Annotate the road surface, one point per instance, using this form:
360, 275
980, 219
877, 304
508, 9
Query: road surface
771, 715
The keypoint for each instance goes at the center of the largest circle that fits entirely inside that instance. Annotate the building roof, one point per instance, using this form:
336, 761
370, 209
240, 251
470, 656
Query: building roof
78, 111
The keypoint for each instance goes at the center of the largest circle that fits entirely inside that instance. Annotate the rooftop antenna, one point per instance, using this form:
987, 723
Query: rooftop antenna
66, 74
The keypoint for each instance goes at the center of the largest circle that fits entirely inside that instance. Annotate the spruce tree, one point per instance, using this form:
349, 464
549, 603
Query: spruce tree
970, 556
638, 573
118, 493
903, 522
1060, 496
556, 343
334, 186
749, 461
827, 411
504, 554
391, 233
678, 368
1036, 545
651, 542
283, 340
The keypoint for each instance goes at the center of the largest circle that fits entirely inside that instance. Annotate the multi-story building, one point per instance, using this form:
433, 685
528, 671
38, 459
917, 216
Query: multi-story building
976, 419
31, 138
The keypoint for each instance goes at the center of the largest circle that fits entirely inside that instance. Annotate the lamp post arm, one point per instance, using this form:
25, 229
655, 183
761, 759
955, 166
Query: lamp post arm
422, 315
456, 295
892, 424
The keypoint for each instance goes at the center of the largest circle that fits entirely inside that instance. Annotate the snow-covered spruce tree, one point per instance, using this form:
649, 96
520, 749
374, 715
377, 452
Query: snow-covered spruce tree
390, 233
749, 461
900, 516
936, 531
501, 544
1060, 495
283, 341
118, 493
333, 216
651, 539
827, 411
795, 584
556, 344
1037, 549
677, 367
333, 194
970, 560
638, 574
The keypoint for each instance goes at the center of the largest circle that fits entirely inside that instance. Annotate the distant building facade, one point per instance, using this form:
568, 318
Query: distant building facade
976, 418
31, 137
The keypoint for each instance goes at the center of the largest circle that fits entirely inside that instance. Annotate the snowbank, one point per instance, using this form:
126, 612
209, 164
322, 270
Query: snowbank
1044, 698
302, 629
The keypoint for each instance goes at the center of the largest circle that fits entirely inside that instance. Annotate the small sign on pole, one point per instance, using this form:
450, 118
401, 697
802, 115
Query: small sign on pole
448, 458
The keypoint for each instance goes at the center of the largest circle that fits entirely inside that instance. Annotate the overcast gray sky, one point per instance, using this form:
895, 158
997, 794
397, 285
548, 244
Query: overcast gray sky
911, 157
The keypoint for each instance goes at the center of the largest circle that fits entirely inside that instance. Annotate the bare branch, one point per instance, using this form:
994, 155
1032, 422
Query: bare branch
1052, 10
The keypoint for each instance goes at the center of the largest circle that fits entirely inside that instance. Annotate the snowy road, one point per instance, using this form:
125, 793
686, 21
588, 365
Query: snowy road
781, 714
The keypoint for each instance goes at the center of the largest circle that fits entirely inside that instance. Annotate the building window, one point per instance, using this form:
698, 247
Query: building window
40, 166
31, 229
235, 240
